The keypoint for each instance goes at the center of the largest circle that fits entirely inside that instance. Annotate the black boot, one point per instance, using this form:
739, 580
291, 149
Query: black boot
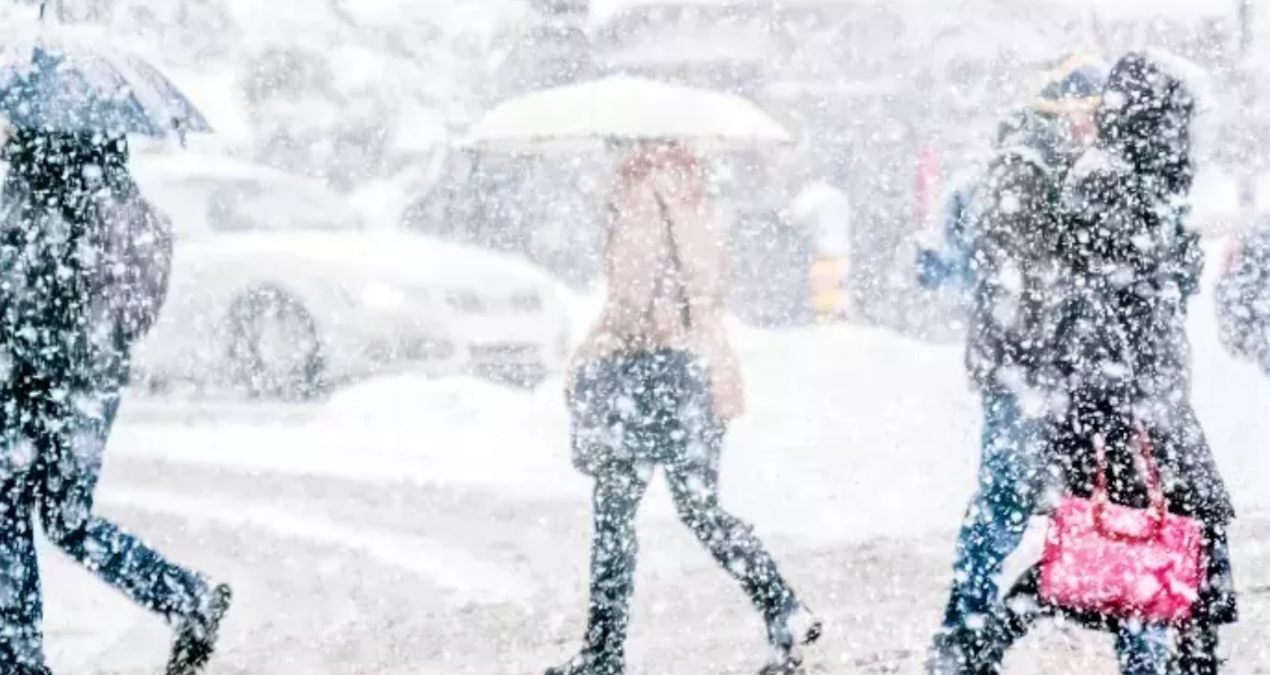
795, 628
1197, 650
967, 651
197, 632
587, 663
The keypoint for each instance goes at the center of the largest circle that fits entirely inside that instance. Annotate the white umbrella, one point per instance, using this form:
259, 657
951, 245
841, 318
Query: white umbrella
624, 108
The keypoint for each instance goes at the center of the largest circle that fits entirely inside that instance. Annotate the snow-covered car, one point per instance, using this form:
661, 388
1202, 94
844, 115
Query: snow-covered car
1243, 295
279, 288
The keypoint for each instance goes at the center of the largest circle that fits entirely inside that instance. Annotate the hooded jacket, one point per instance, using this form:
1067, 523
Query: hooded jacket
1130, 266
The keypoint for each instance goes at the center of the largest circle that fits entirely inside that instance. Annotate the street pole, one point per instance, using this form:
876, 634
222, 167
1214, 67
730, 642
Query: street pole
1248, 174
1245, 27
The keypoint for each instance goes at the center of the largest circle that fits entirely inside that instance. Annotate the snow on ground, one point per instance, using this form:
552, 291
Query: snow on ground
869, 432
422, 526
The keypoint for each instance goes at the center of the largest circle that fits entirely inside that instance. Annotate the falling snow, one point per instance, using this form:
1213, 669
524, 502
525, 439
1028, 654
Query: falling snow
608, 337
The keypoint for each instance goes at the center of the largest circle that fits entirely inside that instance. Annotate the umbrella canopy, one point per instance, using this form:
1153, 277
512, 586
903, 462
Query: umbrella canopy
66, 85
624, 108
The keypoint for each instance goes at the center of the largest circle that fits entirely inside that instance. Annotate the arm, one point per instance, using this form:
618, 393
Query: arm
148, 267
702, 261
632, 260
1009, 262
703, 264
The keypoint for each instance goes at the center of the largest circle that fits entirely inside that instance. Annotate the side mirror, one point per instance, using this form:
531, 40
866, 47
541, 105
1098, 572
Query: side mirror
179, 128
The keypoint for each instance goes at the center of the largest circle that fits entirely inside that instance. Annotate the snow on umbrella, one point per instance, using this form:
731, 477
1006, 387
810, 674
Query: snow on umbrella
67, 85
624, 108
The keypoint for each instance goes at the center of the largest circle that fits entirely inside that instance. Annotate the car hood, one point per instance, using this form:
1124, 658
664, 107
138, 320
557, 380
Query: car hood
396, 257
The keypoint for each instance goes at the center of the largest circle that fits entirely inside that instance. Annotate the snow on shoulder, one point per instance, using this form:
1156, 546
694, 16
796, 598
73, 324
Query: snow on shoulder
1095, 161
1196, 78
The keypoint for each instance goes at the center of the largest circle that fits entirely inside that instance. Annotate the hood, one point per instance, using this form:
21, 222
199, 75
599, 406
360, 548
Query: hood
1146, 119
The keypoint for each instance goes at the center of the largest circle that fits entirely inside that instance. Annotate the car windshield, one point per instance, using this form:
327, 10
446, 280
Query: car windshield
219, 205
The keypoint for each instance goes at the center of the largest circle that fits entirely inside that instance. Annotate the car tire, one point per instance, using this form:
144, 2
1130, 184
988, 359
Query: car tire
274, 349
525, 378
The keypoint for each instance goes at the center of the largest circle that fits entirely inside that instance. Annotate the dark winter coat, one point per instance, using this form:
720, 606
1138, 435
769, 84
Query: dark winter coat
1017, 214
1129, 267
85, 259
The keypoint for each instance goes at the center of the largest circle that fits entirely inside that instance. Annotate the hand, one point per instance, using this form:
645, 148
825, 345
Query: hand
930, 239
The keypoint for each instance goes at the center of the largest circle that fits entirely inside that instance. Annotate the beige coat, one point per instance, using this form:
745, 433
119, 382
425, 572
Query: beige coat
641, 314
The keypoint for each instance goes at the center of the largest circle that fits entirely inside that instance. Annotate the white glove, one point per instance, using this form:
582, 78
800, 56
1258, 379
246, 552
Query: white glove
930, 239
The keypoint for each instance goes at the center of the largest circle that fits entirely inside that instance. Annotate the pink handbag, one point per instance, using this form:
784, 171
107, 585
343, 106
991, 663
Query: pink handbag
1120, 561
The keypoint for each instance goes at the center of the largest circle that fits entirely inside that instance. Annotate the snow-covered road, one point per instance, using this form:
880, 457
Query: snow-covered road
421, 527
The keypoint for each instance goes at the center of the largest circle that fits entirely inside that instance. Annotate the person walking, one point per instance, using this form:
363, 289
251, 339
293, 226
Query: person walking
1121, 357
944, 255
655, 384
85, 263
1017, 199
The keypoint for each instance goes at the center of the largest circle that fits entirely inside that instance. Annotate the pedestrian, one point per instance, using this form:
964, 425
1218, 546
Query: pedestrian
944, 256
1017, 199
85, 264
655, 384
1120, 353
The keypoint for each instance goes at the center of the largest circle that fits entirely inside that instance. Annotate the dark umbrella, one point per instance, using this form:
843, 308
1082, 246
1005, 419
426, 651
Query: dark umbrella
81, 87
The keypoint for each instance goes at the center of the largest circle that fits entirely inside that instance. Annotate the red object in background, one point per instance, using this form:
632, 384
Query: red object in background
1234, 248
1120, 561
927, 177
1233, 251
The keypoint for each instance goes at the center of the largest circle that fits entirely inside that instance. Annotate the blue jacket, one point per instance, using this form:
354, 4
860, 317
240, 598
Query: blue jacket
952, 266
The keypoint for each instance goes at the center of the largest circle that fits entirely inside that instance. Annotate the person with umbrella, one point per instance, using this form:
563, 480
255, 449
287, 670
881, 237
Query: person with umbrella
655, 384
85, 263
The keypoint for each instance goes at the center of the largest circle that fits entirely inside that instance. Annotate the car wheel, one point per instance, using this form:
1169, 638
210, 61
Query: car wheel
274, 350
528, 378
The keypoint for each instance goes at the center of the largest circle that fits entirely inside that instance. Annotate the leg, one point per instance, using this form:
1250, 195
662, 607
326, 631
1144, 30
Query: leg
70, 460
1197, 648
694, 484
618, 491
981, 650
998, 513
1143, 650
21, 604
1198, 638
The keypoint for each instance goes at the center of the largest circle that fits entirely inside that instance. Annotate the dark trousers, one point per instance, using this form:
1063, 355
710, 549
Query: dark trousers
661, 420
998, 514
49, 464
1142, 649
613, 551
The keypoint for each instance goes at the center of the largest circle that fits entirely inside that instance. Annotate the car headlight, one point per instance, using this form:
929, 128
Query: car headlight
383, 297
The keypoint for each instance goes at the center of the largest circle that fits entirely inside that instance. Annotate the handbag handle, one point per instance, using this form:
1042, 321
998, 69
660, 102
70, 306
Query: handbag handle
1145, 457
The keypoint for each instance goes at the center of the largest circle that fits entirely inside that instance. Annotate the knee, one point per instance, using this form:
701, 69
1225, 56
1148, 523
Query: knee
1003, 502
700, 512
65, 526
691, 511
